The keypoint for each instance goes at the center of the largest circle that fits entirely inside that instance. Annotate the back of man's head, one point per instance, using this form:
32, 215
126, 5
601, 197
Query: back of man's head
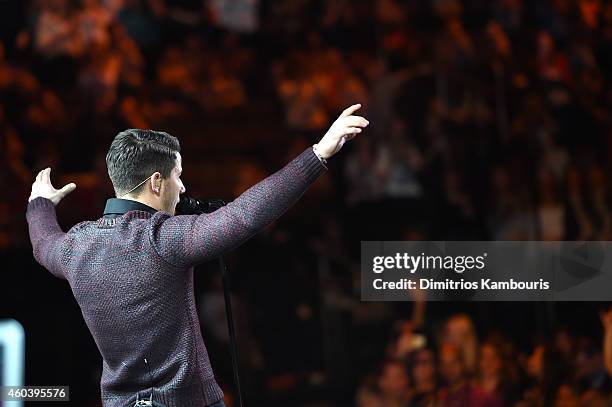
135, 154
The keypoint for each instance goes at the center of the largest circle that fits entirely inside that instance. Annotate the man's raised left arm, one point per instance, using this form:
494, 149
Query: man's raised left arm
45, 232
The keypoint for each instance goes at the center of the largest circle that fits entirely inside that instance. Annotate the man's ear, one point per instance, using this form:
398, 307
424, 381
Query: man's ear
156, 182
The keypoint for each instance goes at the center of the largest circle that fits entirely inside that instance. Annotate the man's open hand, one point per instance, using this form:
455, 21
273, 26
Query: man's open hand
343, 129
42, 187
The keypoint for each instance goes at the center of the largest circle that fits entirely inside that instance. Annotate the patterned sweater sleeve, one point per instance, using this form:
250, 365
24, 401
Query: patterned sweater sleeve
186, 240
46, 235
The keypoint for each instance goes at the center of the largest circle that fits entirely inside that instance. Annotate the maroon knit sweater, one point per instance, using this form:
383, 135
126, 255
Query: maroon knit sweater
132, 277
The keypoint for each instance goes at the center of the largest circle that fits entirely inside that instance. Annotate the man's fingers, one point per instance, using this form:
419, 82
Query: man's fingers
353, 130
43, 175
68, 188
355, 121
39, 175
350, 110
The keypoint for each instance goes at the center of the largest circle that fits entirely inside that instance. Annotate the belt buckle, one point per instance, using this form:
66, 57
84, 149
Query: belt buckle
143, 402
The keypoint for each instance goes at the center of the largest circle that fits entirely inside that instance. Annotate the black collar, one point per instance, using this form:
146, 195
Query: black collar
117, 207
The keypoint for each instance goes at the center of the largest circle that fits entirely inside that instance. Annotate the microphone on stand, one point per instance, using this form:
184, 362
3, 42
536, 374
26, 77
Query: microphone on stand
191, 206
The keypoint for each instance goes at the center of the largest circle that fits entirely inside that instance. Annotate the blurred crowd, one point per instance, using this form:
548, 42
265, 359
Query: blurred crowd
460, 369
488, 122
492, 112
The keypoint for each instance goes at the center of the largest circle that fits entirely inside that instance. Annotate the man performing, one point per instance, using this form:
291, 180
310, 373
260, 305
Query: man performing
131, 271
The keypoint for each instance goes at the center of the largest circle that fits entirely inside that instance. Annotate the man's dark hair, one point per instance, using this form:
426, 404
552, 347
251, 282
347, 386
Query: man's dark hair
136, 154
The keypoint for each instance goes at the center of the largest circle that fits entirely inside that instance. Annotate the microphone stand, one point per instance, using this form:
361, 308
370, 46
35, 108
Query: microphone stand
230, 327
191, 206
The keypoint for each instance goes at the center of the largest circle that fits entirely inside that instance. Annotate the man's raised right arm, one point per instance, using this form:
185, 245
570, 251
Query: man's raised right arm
186, 240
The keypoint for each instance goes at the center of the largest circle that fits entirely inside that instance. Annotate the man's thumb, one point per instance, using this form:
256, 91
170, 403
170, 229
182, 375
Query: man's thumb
68, 189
